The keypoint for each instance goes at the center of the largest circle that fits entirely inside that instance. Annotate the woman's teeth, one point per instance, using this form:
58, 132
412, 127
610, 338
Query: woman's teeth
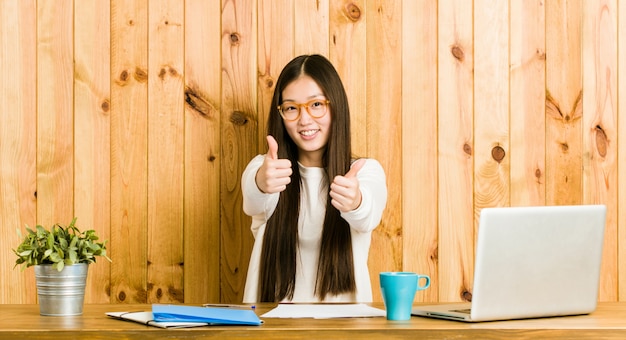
308, 132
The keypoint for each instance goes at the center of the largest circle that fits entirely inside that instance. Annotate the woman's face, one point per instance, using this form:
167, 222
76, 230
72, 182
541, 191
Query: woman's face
310, 134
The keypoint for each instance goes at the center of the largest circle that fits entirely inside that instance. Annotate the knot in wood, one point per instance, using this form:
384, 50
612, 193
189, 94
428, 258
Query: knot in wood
121, 296
105, 106
238, 118
497, 153
467, 149
466, 296
141, 75
234, 38
353, 12
458, 53
541, 55
601, 141
196, 102
175, 294
434, 254
124, 76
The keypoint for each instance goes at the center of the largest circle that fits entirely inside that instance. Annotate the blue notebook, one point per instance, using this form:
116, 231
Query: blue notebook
211, 315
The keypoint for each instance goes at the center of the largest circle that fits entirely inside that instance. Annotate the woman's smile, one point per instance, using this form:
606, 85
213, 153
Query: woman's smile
309, 134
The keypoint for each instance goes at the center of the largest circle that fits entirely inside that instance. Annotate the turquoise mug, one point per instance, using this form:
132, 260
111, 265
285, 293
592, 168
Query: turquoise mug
398, 290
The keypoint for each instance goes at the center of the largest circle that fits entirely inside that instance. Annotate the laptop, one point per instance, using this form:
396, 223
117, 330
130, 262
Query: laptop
532, 262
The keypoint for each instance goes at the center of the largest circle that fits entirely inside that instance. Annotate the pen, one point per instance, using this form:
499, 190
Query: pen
220, 305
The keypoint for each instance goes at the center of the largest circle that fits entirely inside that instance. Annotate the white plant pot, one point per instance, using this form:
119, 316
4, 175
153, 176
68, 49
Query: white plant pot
61, 293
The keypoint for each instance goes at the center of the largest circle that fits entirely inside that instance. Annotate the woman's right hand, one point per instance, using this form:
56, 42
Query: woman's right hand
274, 175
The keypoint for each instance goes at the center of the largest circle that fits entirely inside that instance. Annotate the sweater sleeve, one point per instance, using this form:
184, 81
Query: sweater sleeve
373, 186
257, 204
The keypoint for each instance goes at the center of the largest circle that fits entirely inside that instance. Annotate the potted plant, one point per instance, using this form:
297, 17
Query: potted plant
61, 256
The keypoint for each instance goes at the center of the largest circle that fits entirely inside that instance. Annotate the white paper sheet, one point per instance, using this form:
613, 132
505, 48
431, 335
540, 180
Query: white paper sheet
147, 319
324, 311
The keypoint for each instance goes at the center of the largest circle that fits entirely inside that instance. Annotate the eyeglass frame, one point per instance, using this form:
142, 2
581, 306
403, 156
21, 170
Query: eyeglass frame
306, 107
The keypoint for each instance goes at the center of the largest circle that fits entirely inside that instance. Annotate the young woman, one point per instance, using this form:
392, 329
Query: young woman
313, 207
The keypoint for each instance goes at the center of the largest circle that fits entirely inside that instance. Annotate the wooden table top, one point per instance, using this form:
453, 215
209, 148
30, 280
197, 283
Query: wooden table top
24, 321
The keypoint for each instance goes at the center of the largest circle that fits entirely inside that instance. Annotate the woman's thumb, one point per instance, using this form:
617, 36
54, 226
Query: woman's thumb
272, 151
356, 166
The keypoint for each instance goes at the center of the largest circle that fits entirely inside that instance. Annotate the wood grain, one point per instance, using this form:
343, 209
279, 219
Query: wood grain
92, 129
165, 151
563, 102
129, 149
311, 19
492, 151
239, 131
527, 108
24, 321
348, 52
384, 91
419, 143
599, 125
621, 165
455, 150
202, 150
276, 49
55, 123
18, 133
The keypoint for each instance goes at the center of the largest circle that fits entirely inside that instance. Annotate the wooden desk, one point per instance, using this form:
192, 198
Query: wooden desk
24, 322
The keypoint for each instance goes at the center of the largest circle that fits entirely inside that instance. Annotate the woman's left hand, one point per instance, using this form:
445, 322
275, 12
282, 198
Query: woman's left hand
344, 190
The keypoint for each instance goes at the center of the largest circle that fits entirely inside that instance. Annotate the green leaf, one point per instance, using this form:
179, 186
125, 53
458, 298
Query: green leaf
58, 246
74, 242
50, 239
25, 253
63, 243
73, 257
55, 257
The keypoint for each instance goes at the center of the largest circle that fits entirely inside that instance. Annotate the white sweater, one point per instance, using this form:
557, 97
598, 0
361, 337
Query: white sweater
363, 220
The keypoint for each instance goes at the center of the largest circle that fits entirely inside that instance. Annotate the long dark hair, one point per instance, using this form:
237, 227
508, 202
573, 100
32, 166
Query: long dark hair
335, 272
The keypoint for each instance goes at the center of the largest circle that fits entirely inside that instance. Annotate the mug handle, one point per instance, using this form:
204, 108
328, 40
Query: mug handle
426, 281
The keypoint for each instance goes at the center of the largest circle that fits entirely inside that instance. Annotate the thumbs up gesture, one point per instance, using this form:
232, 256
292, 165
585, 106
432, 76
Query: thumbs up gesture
274, 174
344, 190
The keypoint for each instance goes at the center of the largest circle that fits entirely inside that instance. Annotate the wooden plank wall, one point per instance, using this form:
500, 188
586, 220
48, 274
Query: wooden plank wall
138, 118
